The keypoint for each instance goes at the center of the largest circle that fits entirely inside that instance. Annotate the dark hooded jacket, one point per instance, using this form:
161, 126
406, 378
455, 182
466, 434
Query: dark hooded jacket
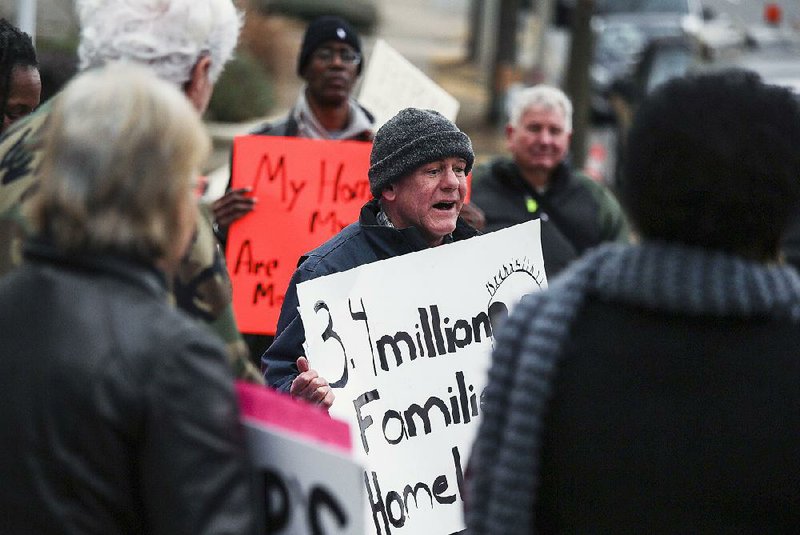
576, 212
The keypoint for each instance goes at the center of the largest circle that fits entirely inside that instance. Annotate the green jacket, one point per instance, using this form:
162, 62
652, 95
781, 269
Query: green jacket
201, 287
577, 213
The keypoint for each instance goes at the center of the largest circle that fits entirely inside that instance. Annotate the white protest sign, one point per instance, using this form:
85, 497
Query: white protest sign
392, 83
406, 342
307, 488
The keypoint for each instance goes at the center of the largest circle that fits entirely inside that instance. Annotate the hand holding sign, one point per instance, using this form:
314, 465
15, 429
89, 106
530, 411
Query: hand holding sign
310, 386
234, 205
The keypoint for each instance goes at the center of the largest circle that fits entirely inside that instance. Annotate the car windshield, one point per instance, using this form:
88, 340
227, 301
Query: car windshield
607, 7
617, 42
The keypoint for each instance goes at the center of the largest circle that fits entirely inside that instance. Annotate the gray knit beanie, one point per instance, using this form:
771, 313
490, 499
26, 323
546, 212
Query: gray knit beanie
412, 138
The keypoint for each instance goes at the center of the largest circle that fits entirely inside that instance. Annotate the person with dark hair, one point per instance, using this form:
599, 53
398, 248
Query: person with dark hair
418, 170
20, 84
329, 62
653, 387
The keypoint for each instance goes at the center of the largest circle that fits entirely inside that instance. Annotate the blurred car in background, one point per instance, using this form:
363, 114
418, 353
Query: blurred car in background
624, 28
662, 59
769, 49
772, 52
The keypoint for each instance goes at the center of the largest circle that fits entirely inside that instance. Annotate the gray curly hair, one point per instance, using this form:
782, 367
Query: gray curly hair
166, 35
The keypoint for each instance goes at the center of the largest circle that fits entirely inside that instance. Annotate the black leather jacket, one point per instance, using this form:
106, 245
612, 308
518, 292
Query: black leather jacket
118, 412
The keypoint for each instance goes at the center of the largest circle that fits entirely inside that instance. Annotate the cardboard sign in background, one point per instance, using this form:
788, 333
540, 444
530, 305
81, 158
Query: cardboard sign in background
405, 343
307, 191
392, 83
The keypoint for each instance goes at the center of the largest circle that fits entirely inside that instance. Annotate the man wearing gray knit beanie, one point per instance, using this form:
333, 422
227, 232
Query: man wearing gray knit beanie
418, 171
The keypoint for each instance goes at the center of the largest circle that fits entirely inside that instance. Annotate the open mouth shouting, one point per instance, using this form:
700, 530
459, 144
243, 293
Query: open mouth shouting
445, 206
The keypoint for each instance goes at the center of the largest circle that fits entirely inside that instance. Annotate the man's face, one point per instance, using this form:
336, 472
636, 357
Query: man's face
539, 142
24, 92
329, 75
429, 198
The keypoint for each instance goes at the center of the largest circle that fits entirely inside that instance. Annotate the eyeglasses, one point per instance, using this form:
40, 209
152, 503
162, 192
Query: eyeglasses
348, 57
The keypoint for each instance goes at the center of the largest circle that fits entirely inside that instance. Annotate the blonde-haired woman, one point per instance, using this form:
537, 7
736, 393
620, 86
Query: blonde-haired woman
120, 415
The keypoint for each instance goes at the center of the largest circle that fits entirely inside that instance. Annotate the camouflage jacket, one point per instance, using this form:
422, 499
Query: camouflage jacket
201, 287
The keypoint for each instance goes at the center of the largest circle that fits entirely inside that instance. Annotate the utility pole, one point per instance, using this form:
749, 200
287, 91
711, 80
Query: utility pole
544, 12
577, 84
476, 11
504, 65
26, 17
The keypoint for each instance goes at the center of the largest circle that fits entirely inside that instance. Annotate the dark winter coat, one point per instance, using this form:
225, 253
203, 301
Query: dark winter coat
119, 414
360, 243
576, 213
675, 424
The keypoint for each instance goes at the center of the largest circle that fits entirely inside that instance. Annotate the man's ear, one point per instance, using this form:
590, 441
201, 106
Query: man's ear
199, 87
509, 130
389, 193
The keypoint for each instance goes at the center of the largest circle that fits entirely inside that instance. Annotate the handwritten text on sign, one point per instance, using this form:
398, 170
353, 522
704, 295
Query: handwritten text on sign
307, 191
405, 342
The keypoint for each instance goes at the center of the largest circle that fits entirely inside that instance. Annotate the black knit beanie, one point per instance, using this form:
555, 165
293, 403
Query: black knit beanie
412, 138
322, 29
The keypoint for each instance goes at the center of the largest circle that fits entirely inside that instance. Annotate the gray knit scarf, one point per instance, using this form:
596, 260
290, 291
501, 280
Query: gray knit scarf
308, 125
656, 276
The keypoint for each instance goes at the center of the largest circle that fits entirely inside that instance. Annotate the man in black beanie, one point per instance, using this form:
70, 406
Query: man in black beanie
418, 170
330, 62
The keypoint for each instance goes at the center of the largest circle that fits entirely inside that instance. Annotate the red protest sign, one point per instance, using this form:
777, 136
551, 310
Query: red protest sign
307, 191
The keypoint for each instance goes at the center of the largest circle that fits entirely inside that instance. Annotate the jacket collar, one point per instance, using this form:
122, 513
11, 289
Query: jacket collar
131, 270
511, 175
386, 239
